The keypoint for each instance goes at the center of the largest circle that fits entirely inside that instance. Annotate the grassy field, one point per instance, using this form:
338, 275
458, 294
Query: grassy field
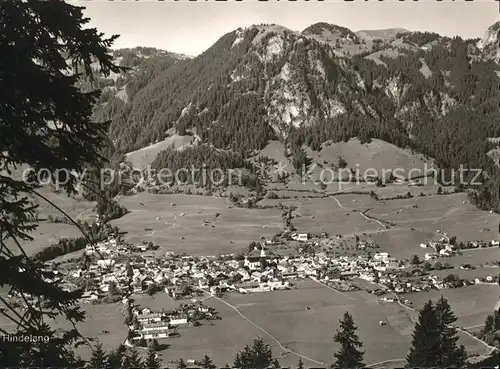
433, 213
46, 235
475, 256
103, 323
232, 230
447, 213
377, 154
140, 159
469, 274
471, 304
283, 315
324, 215
75, 206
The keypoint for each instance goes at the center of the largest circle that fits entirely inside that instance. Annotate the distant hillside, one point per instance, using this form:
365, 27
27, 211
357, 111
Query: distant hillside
418, 90
389, 34
145, 156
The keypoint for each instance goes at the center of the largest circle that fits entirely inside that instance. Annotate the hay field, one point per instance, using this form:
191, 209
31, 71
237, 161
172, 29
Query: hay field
99, 318
46, 235
469, 274
284, 318
378, 155
283, 315
400, 242
75, 206
141, 158
233, 229
471, 304
325, 215
475, 256
446, 212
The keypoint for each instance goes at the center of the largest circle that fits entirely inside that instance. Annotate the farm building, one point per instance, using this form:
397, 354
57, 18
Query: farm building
146, 318
302, 237
155, 327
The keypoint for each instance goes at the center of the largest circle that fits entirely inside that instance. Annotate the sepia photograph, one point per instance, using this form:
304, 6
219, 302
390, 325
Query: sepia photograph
249, 185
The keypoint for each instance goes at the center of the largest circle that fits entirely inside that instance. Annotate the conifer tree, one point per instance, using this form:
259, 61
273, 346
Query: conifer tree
449, 334
300, 364
99, 357
461, 357
276, 364
49, 42
425, 350
116, 357
238, 363
207, 363
348, 356
132, 359
256, 356
181, 364
153, 345
152, 360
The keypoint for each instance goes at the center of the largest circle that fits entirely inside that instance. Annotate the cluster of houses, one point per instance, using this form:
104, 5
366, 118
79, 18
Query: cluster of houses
113, 268
149, 325
258, 271
443, 247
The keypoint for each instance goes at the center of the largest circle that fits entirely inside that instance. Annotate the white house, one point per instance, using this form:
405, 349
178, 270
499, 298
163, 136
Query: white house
145, 318
149, 335
381, 256
105, 262
154, 327
428, 256
302, 237
179, 320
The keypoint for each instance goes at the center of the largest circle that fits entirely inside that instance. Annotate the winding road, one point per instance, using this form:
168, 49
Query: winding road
359, 212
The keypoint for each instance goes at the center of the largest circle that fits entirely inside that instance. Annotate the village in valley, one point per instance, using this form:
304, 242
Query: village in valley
252, 190
116, 271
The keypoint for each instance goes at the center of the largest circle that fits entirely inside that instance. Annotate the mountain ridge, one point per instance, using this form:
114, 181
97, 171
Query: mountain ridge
432, 93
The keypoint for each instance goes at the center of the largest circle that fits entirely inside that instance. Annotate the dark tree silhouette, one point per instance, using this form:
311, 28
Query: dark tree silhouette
132, 359
45, 123
99, 357
152, 360
450, 352
116, 357
425, 350
181, 364
300, 365
255, 356
348, 356
207, 363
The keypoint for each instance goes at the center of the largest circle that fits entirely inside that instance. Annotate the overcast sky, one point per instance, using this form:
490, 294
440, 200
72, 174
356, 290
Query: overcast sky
190, 28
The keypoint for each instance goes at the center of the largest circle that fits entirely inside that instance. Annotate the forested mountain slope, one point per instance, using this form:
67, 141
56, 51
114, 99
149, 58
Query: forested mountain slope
435, 94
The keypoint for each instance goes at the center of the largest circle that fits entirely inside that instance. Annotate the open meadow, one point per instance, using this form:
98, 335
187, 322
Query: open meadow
104, 322
478, 272
446, 213
282, 317
45, 235
75, 205
283, 321
471, 304
475, 257
206, 224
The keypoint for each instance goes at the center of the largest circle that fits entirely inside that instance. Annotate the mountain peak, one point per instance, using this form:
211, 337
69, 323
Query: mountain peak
387, 34
489, 43
329, 31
